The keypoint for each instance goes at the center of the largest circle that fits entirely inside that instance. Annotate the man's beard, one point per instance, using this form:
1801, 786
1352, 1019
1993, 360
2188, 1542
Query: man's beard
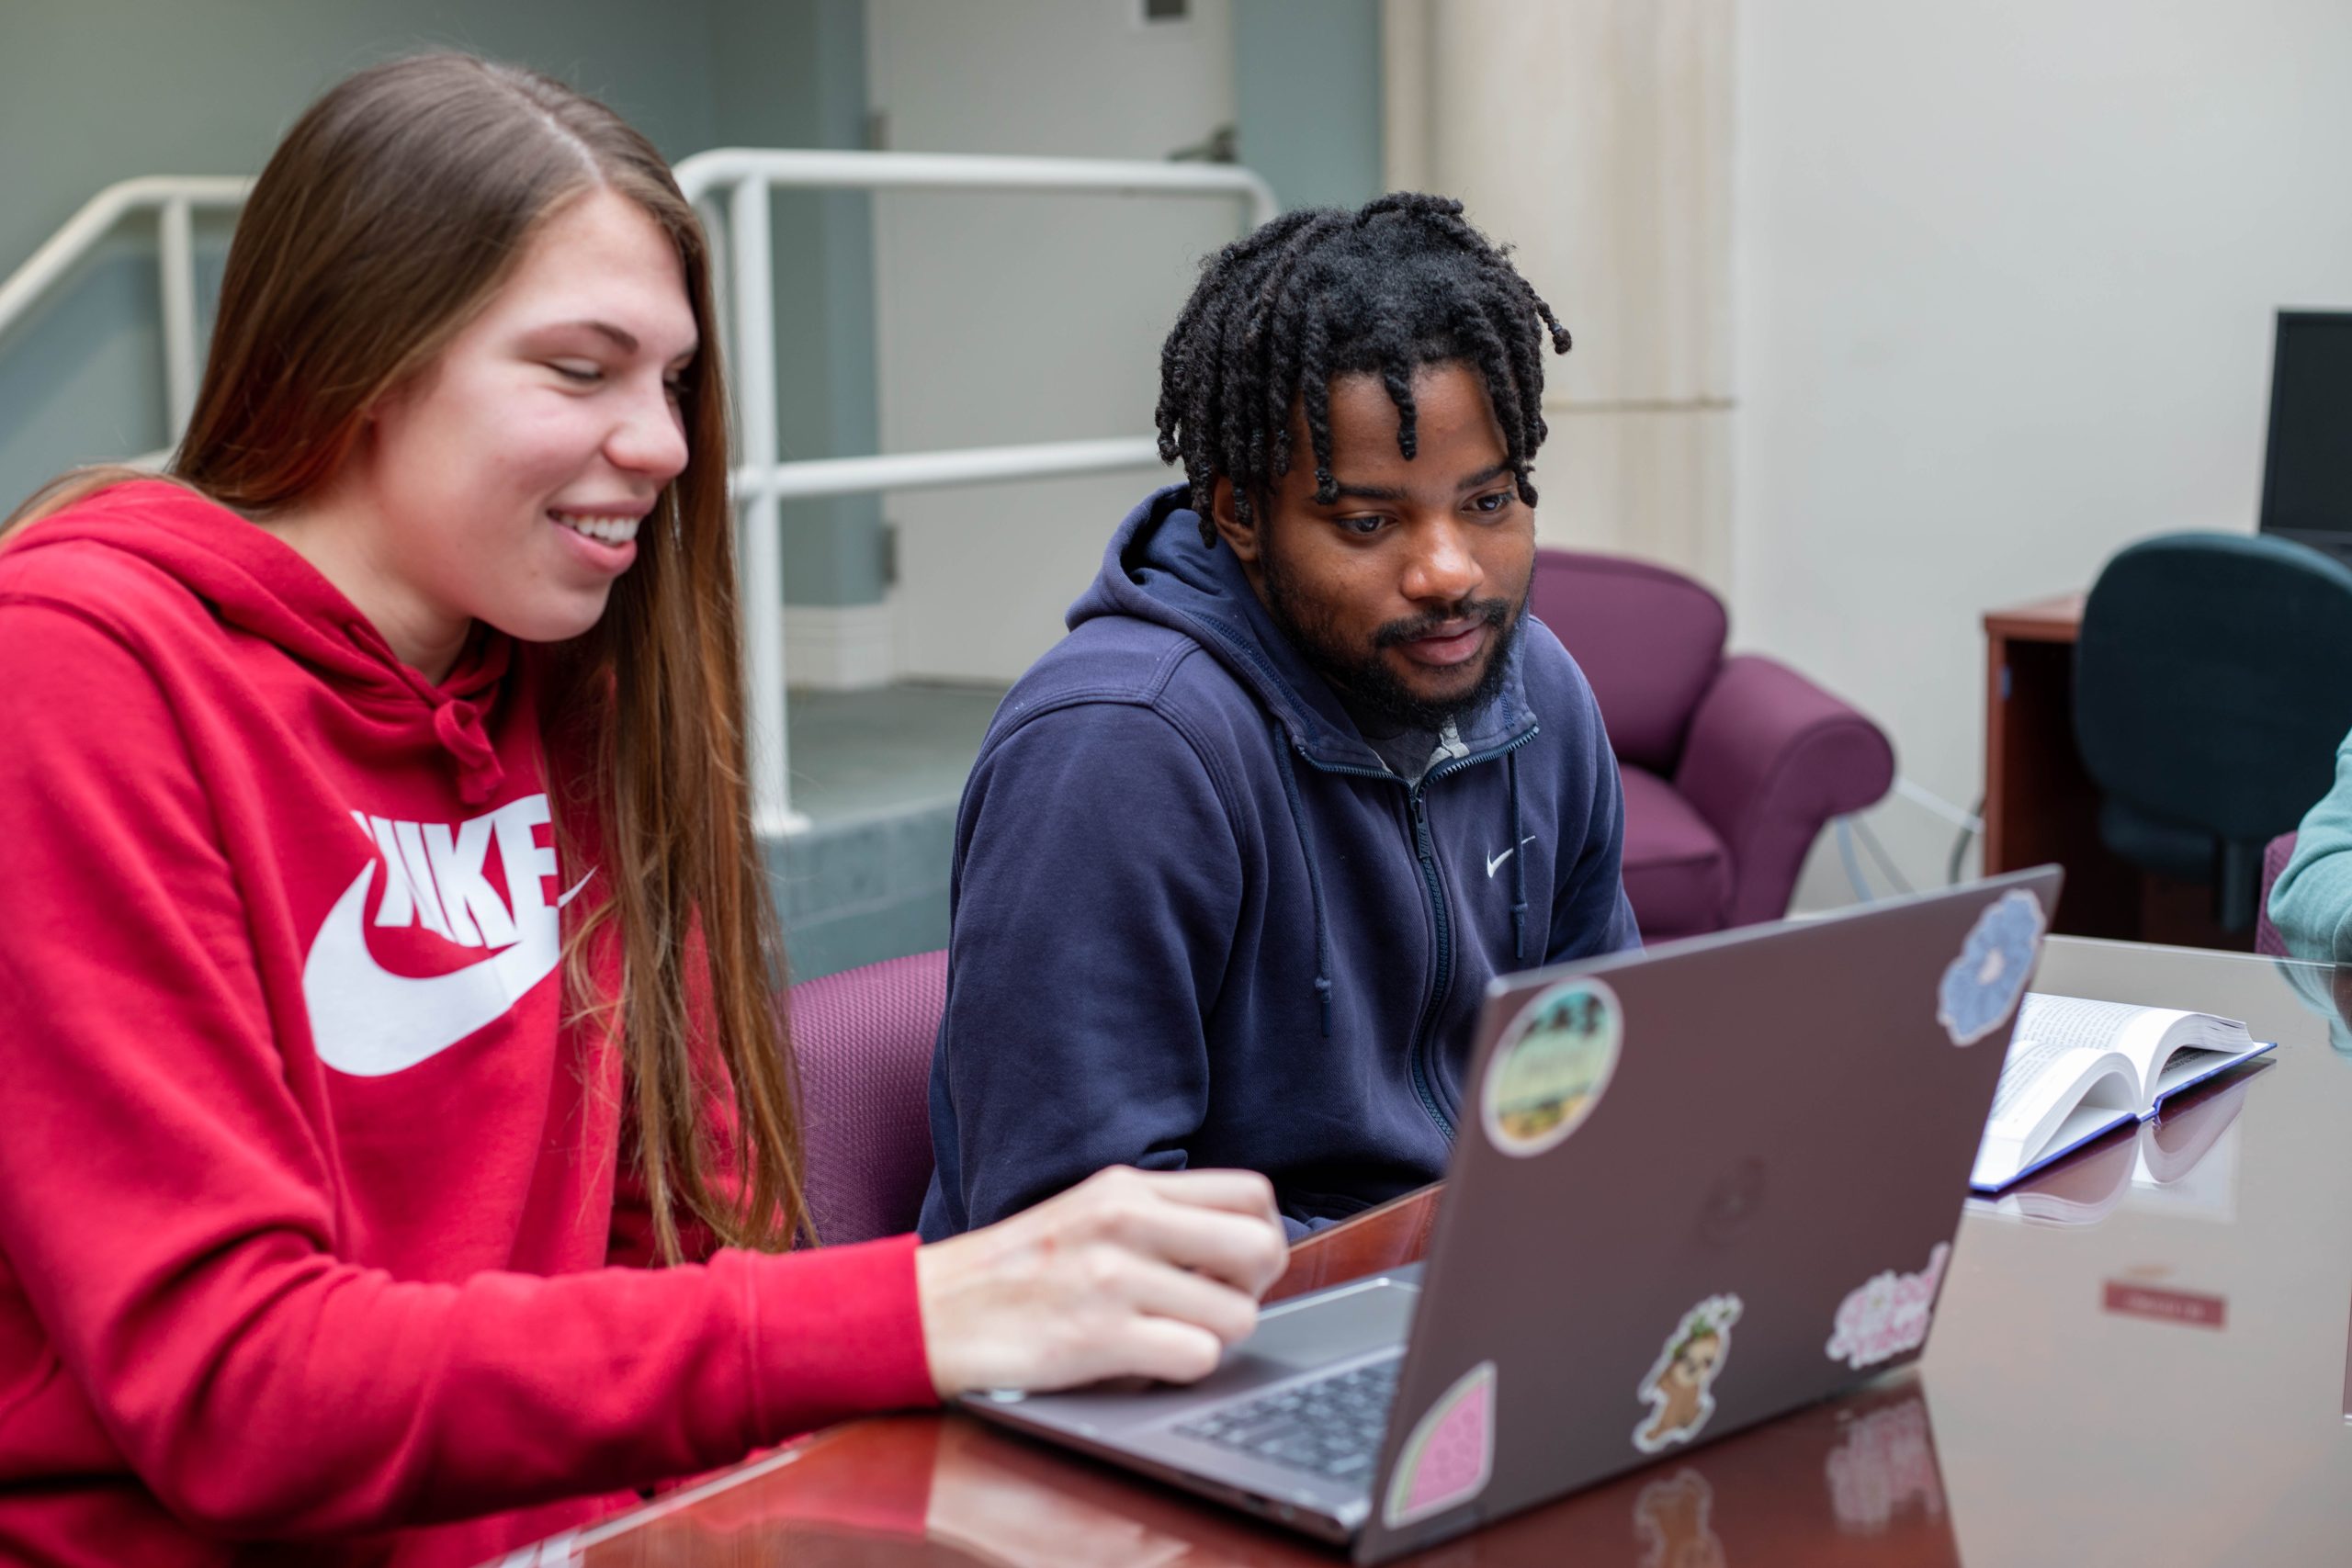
1363, 677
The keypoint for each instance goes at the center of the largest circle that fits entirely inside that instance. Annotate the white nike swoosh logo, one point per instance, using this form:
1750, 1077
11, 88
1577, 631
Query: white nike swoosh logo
1495, 862
367, 1021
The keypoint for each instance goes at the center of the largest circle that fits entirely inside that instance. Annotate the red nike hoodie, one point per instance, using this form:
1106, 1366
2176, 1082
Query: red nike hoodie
309, 1198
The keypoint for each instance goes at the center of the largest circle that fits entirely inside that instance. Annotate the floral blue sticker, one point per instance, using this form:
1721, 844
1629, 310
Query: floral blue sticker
1983, 985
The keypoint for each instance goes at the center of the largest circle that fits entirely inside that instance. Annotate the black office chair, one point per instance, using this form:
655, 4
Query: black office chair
2212, 683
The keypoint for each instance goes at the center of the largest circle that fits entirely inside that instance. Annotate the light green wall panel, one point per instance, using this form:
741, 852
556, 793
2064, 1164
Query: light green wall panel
1307, 91
794, 75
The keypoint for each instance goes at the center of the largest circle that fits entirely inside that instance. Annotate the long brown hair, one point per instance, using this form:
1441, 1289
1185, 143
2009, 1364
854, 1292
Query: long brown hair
391, 214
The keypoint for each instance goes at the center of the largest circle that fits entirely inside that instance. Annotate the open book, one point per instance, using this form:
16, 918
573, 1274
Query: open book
2079, 1068
2182, 1160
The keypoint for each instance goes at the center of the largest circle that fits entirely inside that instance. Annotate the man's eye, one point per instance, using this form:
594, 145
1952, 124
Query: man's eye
1495, 501
1358, 526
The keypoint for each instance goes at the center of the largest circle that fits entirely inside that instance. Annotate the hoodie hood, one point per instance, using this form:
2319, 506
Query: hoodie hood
1159, 569
260, 585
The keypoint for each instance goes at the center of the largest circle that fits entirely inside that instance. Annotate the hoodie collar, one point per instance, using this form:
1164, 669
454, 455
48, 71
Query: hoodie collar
258, 583
1158, 569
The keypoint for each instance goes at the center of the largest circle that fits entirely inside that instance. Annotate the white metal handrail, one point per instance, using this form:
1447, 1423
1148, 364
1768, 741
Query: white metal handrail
762, 483
174, 199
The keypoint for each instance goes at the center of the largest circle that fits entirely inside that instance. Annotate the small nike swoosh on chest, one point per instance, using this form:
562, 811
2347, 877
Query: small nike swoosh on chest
1494, 863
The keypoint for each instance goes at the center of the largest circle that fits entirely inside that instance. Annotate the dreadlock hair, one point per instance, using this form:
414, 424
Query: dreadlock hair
1402, 282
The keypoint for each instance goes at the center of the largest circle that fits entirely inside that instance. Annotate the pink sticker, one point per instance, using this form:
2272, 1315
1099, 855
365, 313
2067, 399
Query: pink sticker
1681, 1387
1888, 1315
1450, 1454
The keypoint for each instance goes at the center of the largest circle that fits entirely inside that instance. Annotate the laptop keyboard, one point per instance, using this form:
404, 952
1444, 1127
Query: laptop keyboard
1331, 1426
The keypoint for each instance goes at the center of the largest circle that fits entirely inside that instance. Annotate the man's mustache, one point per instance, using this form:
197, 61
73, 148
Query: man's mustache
1488, 612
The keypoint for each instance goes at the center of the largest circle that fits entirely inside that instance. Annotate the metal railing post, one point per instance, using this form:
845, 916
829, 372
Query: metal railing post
175, 261
759, 515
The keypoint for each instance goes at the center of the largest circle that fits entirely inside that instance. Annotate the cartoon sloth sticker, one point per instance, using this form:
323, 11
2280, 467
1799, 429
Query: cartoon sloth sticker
1681, 1384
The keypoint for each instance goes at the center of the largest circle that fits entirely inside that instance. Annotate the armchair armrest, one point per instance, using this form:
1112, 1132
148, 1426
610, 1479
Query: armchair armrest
1772, 757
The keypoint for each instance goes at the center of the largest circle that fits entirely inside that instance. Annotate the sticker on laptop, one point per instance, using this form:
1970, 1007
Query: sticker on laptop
1888, 1315
1982, 986
1550, 1066
1450, 1456
1681, 1387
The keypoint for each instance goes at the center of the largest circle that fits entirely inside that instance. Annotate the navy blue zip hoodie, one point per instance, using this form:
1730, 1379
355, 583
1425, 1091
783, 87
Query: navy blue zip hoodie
1197, 921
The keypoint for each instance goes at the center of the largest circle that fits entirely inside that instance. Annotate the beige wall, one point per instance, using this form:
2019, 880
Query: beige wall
1888, 314
1009, 318
1594, 135
2006, 276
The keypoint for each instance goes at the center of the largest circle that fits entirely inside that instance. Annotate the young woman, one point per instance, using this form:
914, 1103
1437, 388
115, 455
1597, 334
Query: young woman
389, 972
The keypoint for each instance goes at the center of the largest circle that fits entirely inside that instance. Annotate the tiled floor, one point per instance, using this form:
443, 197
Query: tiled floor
858, 754
880, 774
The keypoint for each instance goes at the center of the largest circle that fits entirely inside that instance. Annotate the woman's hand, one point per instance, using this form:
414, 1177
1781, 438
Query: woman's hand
1128, 1273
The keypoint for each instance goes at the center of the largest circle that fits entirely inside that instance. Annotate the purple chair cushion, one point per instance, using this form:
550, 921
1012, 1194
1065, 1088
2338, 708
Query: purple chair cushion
863, 1039
1678, 872
1648, 639
2275, 856
1770, 757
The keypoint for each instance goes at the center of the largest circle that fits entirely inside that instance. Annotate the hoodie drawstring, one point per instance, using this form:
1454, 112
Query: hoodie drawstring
1518, 866
456, 721
457, 724
1314, 874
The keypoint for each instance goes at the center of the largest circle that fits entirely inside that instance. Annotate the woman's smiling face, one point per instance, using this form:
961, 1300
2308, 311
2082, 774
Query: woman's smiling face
506, 482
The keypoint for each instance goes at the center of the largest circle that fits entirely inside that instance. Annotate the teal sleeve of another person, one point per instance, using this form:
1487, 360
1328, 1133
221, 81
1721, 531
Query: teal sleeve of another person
2312, 904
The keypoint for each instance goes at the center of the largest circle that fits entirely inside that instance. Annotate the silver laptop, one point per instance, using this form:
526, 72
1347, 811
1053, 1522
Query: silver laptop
1693, 1187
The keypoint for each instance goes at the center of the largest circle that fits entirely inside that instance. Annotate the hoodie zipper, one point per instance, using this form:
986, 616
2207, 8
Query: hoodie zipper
1422, 1069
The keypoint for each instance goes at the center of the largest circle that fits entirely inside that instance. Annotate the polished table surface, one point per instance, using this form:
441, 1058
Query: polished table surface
2141, 1360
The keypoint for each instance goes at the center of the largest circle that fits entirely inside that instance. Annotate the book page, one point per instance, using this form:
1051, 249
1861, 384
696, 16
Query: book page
2034, 1078
2077, 1021
2047, 1090
2166, 1047
2195, 1045
2193, 1065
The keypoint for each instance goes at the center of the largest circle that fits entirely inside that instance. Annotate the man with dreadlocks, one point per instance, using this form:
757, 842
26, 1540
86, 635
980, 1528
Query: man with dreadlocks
1241, 854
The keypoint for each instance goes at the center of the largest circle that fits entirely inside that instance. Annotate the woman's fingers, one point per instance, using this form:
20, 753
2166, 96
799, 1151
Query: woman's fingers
1154, 1289
1131, 1272
1167, 1350
1245, 1251
1239, 1191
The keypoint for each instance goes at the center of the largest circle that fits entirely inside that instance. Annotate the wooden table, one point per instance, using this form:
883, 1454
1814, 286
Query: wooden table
2041, 806
2120, 1372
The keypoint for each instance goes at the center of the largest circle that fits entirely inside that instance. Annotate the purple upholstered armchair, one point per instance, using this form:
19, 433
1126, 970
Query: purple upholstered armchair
2275, 856
863, 1038
1731, 765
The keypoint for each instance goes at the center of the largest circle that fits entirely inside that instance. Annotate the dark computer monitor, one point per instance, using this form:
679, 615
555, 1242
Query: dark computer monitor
2307, 472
